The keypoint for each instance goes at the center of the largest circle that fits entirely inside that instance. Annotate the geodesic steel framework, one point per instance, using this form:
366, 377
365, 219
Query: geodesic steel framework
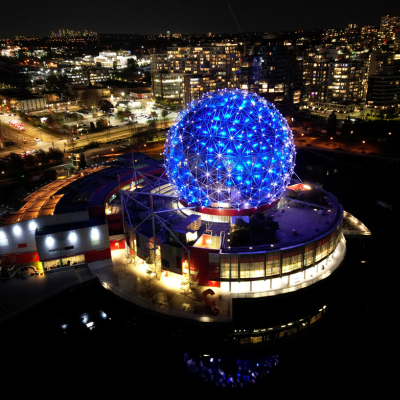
230, 149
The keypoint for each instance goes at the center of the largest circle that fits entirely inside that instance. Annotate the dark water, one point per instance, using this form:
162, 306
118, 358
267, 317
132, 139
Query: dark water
351, 345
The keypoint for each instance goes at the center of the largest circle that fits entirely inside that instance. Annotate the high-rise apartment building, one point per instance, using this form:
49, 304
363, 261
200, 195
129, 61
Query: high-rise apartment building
184, 87
389, 33
274, 70
332, 79
185, 73
221, 59
383, 95
389, 23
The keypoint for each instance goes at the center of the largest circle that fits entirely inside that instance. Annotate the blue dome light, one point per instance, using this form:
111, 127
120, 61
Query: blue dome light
230, 149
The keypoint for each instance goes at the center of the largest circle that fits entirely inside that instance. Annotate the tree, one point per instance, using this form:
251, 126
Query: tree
22, 116
94, 144
142, 134
55, 155
154, 116
64, 129
152, 126
164, 114
15, 162
241, 224
149, 131
257, 223
101, 123
132, 64
42, 156
71, 143
120, 115
105, 106
30, 161
90, 97
331, 124
53, 122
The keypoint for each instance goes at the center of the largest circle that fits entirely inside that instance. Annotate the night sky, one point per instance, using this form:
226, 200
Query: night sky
40, 17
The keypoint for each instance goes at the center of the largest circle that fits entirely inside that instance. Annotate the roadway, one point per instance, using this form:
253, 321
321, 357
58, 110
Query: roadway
153, 149
25, 140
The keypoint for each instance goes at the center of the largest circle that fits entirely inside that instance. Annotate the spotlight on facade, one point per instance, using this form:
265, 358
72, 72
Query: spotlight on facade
49, 241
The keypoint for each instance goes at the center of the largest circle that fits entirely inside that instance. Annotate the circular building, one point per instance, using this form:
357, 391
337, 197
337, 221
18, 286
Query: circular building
226, 213
231, 151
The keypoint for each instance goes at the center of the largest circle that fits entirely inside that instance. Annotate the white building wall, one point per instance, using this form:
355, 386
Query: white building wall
70, 242
24, 232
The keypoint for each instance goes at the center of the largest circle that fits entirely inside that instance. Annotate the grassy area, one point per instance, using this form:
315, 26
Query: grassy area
397, 119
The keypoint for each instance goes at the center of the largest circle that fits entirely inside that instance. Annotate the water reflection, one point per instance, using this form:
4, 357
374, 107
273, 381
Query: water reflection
94, 318
217, 371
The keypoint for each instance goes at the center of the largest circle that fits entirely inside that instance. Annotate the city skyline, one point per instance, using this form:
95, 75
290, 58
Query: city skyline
187, 18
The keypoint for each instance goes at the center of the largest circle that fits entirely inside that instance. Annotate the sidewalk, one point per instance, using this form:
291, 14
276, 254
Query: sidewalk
169, 295
19, 294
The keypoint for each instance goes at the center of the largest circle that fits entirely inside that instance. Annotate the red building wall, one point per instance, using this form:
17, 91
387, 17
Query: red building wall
115, 225
96, 211
21, 258
97, 255
117, 244
199, 262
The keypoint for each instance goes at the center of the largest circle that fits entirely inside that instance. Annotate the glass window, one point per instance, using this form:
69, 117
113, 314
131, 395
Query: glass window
224, 266
213, 261
234, 266
252, 266
308, 255
228, 262
292, 259
273, 263
322, 248
332, 241
52, 264
72, 260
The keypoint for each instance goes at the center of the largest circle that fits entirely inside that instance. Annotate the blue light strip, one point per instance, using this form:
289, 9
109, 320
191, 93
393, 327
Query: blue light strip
231, 148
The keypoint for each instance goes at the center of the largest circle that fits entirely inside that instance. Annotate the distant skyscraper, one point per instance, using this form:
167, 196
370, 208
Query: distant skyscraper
389, 23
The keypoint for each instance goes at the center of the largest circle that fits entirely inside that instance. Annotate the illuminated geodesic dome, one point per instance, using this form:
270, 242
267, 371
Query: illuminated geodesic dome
229, 149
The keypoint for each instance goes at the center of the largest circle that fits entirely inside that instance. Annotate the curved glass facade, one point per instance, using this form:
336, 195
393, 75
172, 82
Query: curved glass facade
270, 264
